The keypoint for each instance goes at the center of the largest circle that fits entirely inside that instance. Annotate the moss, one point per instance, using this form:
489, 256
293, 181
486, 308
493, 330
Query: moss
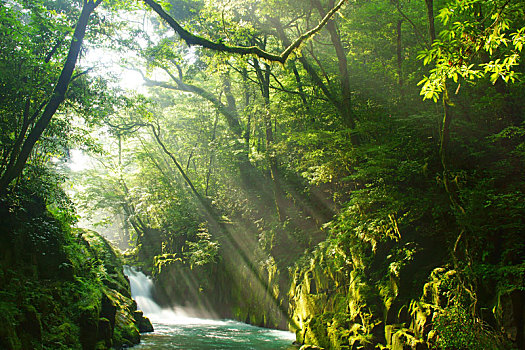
30, 328
8, 335
403, 339
89, 311
126, 336
63, 337
88, 322
316, 332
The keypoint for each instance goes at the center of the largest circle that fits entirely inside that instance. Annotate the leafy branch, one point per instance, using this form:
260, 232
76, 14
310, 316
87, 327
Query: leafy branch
192, 39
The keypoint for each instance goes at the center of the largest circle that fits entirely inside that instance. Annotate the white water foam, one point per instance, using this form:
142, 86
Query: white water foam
141, 291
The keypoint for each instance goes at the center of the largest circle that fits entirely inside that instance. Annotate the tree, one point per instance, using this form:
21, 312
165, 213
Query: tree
457, 57
33, 125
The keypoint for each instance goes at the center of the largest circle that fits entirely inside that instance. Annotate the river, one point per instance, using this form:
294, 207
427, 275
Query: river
174, 329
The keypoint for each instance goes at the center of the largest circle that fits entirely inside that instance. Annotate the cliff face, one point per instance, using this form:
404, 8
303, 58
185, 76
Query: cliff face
399, 295
60, 288
339, 306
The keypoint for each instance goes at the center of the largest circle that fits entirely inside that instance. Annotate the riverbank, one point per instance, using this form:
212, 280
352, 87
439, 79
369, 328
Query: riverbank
61, 288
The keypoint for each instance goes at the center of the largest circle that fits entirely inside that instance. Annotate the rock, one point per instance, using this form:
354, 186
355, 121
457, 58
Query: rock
359, 344
421, 318
432, 337
434, 292
403, 315
88, 322
390, 330
143, 323
403, 340
108, 310
30, 329
510, 316
105, 332
310, 347
378, 331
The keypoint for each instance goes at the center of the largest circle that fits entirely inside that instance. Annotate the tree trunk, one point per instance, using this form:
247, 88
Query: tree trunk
264, 82
399, 50
430, 15
344, 78
450, 186
212, 154
314, 76
255, 51
177, 164
247, 129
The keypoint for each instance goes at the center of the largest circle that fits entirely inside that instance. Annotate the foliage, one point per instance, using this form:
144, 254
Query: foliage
482, 38
203, 251
54, 277
234, 170
459, 330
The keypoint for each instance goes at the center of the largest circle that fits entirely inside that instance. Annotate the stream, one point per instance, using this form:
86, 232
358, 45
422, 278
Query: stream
174, 329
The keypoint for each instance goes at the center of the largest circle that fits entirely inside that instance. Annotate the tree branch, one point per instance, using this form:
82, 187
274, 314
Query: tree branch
419, 36
230, 114
192, 39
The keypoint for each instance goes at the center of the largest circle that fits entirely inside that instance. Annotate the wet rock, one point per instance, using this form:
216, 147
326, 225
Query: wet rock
143, 323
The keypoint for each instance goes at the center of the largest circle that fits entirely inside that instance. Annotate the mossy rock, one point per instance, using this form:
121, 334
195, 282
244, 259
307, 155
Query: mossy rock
509, 312
143, 323
88, 322
64, 337
422, 315
126, 336
316, 332
105, 333
67, 292
403, 339
30, 328
8, 335
311, 347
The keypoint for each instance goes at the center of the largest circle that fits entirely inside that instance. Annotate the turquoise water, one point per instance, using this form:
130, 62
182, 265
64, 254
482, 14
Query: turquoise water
176, 328
198, 334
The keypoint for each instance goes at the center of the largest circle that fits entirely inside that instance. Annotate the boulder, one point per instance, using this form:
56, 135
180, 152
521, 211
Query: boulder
105, 332
143, 323
88, 322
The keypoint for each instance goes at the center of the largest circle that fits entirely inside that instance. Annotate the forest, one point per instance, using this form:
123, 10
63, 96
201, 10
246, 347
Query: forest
352, 171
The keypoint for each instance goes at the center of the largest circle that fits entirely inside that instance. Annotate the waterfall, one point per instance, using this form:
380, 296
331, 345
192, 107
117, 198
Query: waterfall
142, 291
177, 328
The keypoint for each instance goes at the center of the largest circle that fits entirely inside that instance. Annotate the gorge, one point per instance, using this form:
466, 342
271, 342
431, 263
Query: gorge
280, 174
